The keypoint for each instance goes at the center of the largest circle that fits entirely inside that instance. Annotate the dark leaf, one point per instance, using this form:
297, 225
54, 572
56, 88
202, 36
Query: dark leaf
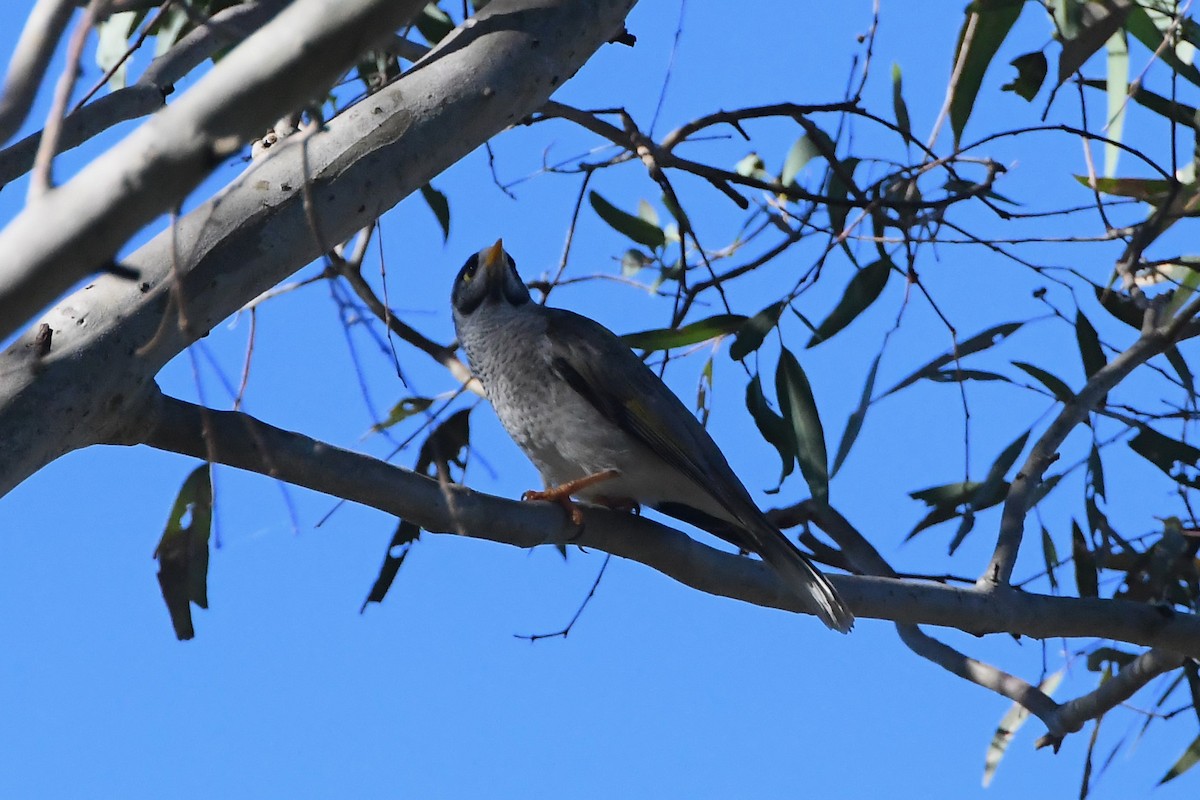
1176, 112
1050, 557
402, 541
636, 228
752, 332
994, 19
1102, 656
854, 424
954, 500
772, 426
678, 213
1120, 307
182, 552
1191, 671
1095, 472
444, 445
699, 331
1031, 73
1087, 580
864, 288
800, 411
1189, 759
960, 375
1056, 385
1177, 361
440, 207
980, 341
1089, 346
403, 410
1169, 455
434, 24
992, 489
838, 190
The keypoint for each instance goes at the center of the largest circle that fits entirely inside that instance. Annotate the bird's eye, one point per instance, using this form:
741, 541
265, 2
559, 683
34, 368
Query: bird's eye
470, 271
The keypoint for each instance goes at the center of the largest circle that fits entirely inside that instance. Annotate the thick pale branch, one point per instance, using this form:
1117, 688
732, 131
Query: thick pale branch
238, 440
1024, 486
42, 31
1070, 716
106, 343
66, 234
145, 96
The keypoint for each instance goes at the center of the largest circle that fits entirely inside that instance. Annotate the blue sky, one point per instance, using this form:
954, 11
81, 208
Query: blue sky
659, 691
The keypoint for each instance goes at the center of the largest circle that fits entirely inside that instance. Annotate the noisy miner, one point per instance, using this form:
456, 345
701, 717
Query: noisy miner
600, 425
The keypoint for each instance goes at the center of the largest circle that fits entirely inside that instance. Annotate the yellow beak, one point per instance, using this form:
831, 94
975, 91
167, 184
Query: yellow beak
493, 257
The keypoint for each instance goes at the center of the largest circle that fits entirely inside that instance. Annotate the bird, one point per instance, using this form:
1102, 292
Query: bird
600, 426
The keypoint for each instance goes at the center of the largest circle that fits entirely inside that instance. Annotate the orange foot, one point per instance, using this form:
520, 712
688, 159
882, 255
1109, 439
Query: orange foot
561, 494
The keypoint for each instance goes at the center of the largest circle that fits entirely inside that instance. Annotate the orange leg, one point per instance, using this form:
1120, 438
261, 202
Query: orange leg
561, 494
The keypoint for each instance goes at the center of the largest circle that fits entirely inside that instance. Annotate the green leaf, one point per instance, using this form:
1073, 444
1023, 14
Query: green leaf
1056, 385
678, 213
800, 411
182, 553
398, 549
752, 332
647, 213
699, 331
636, 228
977, 343
402, 411
772, 426
440, 207
1154, 191
854, 424
1090, 30
434, 24
1169, 455
953, 500
1010, 723
863, 290
1117, 80
1144, 28
993, 488
752, 166
113, 42
992, 21
802, 151
1189, 759
1031, 74
1087, 579
899, 107
1089, 347
633, 262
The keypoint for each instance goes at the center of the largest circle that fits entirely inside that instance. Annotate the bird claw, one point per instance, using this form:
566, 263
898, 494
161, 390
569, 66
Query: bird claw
555, 496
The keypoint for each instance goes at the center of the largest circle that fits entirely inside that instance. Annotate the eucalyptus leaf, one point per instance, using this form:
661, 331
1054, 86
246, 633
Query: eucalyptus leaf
636, 228
699, 331
800, 411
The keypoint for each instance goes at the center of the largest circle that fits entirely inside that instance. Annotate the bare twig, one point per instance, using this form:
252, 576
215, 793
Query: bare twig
27, 67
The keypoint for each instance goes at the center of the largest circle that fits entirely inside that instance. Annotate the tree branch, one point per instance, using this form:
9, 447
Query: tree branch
39, 38
1045, 451
65, 234
110, 340
239, 440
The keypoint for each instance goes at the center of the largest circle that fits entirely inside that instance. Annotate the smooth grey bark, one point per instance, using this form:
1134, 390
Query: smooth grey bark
87, 378
70, 231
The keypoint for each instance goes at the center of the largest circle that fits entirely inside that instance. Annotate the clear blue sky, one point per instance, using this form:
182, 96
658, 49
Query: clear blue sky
659, 691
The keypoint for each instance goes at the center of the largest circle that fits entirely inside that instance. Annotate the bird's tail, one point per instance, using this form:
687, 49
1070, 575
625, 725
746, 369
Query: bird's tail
808, 583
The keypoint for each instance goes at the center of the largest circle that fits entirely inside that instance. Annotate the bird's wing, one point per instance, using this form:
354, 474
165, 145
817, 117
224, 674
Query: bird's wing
597, 365
602, 369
